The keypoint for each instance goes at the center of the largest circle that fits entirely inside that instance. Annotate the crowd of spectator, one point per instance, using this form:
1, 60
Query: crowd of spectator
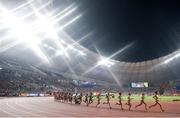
13, 82
17, 78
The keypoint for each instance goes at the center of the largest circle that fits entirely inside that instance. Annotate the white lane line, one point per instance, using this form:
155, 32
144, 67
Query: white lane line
34, 114
8, 113
18, 110
11, 114
53, 111
29, 108
56, 108
36, 106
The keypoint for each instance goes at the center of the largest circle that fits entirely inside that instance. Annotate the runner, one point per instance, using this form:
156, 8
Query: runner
142, 102
120, 101
98, 100
108, 100
156, 101
90, 98
129, 101
86, 100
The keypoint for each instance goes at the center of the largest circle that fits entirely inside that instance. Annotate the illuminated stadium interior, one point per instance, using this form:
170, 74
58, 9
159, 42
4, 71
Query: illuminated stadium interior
35, 33
47, 71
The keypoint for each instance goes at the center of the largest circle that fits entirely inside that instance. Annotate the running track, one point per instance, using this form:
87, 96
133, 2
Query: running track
47, 107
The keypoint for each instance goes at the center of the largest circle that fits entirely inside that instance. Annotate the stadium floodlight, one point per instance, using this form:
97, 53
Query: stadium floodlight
22, 32
168, 60
51, 48
71, 47
43, 24
59, 52
63, 42
35, 26
82, 53
172, 58
45, 45
106, 62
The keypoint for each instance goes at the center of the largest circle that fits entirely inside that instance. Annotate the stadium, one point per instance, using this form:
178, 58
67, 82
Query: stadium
47, 71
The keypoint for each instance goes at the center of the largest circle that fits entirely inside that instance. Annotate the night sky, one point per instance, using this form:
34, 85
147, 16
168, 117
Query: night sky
154, 26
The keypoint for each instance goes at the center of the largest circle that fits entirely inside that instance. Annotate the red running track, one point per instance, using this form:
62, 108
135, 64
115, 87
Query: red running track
47, 107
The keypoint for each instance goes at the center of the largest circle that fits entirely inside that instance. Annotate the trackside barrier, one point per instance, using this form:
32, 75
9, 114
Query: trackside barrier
23, 94
33, 95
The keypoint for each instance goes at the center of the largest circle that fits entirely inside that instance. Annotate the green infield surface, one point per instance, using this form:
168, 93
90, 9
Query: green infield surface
147, 98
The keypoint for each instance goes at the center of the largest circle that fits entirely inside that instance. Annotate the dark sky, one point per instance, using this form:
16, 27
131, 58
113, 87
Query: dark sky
153, 25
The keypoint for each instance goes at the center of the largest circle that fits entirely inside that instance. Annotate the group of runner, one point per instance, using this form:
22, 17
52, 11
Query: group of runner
70, 97
88, 99
156, 98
